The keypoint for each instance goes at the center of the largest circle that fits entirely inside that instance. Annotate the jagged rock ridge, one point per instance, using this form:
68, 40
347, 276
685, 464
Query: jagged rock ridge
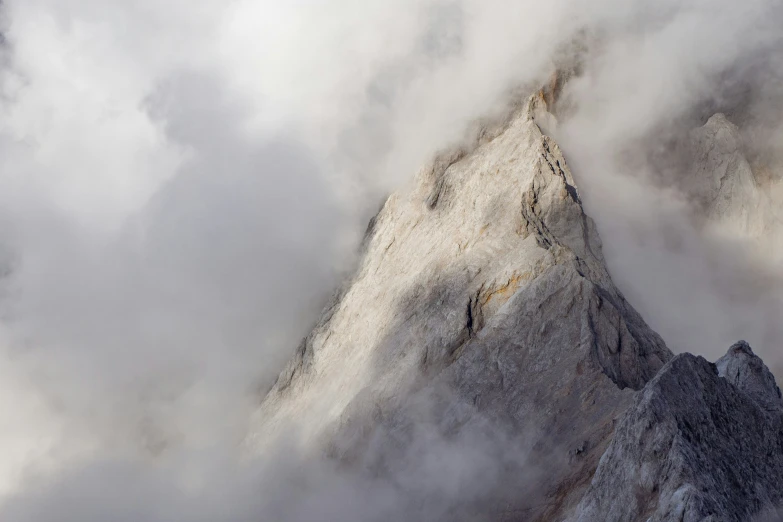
701, 442
483, 293
482, 306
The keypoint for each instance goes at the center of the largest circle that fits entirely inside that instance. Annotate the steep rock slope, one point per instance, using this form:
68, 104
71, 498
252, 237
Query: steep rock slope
482, 294
722, 180
702, 442
728, 191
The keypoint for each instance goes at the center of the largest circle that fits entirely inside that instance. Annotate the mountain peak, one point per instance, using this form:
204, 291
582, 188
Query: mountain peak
745, 370
482, 290
482, 310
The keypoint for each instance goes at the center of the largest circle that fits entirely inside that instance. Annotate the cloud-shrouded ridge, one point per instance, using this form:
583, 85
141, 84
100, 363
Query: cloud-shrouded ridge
183, 184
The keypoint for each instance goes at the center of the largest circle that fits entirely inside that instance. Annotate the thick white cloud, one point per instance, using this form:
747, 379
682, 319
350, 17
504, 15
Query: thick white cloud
181, 184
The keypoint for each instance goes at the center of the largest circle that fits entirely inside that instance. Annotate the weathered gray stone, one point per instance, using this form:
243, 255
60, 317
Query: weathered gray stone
483, 295
742, 368
700, 443
727, 191
482, 319
721, 179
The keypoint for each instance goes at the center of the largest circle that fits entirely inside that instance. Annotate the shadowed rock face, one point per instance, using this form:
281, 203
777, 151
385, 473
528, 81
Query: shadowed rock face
482, 305
701, 442
748, 373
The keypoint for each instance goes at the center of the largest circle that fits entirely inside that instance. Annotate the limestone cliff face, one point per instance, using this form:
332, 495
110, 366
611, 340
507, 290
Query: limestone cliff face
483, 292
482, 315
721, 179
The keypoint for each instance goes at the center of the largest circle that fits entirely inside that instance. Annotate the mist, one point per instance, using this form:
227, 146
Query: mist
183, 186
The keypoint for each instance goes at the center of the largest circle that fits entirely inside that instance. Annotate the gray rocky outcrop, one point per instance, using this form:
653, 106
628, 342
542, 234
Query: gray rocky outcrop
701, 442
742, 368
482, 293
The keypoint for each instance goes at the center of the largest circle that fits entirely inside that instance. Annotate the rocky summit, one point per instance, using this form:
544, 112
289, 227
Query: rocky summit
701, 442
482, 318
722, 183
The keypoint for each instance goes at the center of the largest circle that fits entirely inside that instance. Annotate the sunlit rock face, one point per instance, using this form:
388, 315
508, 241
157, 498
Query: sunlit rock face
482, 362
481, 305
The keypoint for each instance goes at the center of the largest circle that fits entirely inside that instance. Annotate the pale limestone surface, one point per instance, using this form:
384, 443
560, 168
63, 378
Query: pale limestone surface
482, 293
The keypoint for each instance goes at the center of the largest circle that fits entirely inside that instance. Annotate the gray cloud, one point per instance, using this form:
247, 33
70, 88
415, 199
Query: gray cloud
164, 329
182, 185
644, 89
